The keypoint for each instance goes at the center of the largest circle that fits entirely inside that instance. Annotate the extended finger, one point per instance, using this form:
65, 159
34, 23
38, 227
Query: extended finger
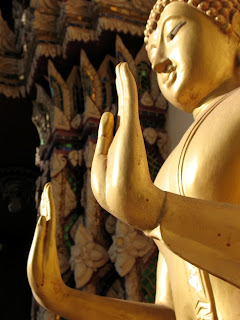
105, 134
129, 93
119, 87
49, 206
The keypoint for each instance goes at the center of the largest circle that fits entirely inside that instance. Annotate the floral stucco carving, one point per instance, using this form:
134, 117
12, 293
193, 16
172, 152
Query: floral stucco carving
128, 245
86, 256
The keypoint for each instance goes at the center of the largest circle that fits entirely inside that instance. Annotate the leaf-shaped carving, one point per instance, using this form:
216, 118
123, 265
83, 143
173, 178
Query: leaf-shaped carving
76, 122
91, 83
82, 274
161, 102
142, 56
58, 163
124, 264
162, 144
75, 251
83, 236
91, 110
74, 84
60, 92
43, 98
146, 99
108, 81
60, 120
123, 55
96, 255
150, 135
73, 158
89, 153
112, 252
70, 200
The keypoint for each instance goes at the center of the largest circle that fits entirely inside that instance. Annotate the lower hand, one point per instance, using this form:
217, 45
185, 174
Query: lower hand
42, 267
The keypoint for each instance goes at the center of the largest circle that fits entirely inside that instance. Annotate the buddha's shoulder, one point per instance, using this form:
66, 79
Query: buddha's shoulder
209, 149
221, 122
228, 107
217, 132
210, 155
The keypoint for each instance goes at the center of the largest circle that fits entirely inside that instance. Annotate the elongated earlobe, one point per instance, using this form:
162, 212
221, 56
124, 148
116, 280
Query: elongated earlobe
236, 29
238, 56
236, 23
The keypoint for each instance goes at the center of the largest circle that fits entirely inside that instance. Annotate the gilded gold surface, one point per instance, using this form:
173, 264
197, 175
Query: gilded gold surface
192, 209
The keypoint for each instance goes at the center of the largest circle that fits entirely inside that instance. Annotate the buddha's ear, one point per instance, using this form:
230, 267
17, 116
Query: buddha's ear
236, 28
238, 57
236, 23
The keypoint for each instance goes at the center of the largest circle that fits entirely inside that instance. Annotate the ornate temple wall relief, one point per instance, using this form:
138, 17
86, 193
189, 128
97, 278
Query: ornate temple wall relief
69, 50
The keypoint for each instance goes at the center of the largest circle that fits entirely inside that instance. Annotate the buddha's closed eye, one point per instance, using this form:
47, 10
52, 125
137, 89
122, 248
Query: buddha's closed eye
175, 30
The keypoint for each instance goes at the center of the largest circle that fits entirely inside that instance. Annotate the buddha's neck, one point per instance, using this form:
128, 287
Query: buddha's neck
214, 96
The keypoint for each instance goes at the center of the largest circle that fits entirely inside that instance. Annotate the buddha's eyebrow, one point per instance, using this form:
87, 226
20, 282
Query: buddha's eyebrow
171, 34
175, 30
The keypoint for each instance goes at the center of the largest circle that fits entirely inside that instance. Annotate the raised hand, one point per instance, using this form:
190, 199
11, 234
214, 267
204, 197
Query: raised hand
121, 181
49, 290
43, 269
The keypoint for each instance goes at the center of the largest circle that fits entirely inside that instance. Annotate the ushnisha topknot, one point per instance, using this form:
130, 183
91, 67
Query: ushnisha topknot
220, 11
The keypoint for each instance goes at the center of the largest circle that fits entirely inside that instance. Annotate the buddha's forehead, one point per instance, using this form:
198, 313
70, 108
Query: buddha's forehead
179, 9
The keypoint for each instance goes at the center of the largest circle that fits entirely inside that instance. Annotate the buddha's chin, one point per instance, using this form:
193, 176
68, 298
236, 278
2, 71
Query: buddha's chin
179, 99
184, 96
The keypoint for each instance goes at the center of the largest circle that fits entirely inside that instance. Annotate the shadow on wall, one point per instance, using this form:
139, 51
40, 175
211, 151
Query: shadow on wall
178, 122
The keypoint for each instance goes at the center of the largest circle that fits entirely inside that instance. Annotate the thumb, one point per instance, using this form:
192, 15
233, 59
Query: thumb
99, 164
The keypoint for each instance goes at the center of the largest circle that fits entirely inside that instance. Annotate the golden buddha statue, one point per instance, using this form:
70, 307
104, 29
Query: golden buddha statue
192, 210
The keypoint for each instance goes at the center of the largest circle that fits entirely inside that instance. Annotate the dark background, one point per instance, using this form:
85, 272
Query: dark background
18, 140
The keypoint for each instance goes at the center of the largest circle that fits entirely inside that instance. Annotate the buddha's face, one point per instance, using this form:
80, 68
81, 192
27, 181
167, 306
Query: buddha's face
191, 55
